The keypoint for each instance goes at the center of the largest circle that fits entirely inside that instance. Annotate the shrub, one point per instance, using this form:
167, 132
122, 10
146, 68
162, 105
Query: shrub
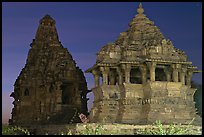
97, 130
172, 129
9, 130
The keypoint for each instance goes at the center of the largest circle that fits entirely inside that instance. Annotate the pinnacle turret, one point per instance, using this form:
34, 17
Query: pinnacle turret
142, 31
47, 32
47, 20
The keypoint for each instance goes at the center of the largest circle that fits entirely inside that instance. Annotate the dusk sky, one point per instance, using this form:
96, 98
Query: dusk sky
84, 27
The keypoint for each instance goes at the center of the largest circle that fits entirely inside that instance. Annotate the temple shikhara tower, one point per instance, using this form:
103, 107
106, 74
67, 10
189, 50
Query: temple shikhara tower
142, 77
50, 88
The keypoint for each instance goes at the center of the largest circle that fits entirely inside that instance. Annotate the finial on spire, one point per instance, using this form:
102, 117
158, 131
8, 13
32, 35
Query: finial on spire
140, 5
140, 10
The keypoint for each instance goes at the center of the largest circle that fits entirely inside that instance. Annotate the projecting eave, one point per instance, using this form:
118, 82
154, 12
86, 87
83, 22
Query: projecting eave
169, 61
107, 64
194, 69
197, 71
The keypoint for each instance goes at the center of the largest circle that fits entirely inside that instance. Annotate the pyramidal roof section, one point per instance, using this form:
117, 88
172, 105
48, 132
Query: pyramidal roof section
141, 31
47, 32
140, 17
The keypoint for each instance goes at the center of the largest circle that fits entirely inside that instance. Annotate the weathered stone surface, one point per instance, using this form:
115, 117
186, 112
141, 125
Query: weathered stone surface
50, 88
150, 77
133, 91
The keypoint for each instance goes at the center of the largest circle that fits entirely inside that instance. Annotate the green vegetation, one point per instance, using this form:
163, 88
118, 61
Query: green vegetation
198, 97
161, 130
98, 129
9, 130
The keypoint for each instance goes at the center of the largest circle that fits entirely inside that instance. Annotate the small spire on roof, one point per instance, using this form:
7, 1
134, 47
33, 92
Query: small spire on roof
140, 10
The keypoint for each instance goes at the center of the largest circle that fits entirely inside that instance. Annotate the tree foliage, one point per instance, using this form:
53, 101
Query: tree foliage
198, 97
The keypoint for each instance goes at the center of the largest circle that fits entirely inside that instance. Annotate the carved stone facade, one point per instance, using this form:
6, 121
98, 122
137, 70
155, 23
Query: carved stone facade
50, 88
144, 78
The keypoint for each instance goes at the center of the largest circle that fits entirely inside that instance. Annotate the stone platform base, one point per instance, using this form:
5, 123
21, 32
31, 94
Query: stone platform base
143, 104
109, 128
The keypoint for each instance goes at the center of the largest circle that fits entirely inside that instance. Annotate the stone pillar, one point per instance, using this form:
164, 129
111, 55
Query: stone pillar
189, 76
175, 75
168, 73
143, 71
96, 78
127, 69
182, 75
152, 67
175, 68
105, 71
120, 76
105, 78
127, 76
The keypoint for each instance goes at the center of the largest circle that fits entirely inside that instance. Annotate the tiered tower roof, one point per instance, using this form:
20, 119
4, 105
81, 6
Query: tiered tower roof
143, 41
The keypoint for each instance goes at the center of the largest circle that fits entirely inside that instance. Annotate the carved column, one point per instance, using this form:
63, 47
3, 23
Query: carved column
189, 76
152, 67
175, 75
182, 75
175, 72
127, 68
96, 77
143, 70
120, 76
105, 71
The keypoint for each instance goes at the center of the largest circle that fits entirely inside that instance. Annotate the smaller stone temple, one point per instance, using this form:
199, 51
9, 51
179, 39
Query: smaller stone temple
50, 89
142, 77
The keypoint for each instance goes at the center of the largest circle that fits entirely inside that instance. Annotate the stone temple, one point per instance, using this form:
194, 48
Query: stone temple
50, 88
142, 77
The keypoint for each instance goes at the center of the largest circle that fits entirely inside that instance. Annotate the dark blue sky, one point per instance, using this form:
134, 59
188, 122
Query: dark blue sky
84, 27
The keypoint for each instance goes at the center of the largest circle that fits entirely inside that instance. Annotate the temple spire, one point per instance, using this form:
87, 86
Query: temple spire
140, 10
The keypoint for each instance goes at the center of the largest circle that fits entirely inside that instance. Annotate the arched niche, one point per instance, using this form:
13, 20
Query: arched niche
68, 93
26, 92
